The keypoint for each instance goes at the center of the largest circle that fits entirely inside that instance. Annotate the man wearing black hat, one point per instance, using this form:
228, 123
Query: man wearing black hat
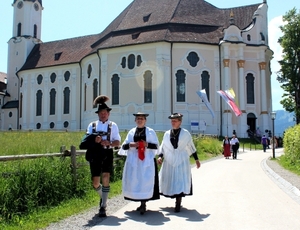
103, 135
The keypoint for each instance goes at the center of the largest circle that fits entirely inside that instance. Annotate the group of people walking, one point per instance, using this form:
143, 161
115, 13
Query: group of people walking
228, 145
141, 180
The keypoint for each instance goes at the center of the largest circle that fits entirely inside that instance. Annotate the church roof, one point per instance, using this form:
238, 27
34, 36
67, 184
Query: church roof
147, 21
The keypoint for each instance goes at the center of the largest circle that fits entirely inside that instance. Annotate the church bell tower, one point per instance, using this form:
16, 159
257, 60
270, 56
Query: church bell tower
26, 33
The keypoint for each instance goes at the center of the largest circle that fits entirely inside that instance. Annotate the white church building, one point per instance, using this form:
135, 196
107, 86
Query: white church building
153, 58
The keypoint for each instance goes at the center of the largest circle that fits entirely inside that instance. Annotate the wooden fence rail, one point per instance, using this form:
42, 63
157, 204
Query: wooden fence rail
73, 153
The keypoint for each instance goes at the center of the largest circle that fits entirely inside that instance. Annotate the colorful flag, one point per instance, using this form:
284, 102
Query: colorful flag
202, 94
230, 93
229, 99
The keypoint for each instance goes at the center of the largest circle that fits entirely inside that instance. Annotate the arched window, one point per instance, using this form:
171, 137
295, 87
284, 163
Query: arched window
131, 61
52, 77
115, 81
35, 31
66, 100
148, 87
139, 60
250, 88
39, 96
85, 89
193, 59
52, 101
205, 82
21, 104
39, 79
19, 29
89, 71
95, 91
180, 85
123, 63
67, 75
248, 37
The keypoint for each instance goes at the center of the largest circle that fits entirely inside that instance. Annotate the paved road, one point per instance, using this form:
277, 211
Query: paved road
228, 194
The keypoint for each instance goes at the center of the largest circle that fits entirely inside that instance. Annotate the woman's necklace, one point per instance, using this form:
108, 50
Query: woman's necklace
175, 134
140, 132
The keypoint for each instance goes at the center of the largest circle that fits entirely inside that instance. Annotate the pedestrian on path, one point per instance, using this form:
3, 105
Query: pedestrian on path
226, 148
264, 142
234, 142
175, 177
140, 173
101, 137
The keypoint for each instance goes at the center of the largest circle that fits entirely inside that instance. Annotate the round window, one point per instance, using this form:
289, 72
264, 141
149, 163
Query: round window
51, 125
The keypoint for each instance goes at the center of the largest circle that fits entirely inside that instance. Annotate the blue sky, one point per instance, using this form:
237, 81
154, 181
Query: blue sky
63, 19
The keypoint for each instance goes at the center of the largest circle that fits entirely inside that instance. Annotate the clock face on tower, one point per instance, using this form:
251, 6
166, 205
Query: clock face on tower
20, 4
36, 6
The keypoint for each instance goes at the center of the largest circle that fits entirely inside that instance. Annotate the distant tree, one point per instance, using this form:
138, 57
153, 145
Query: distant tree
289, 74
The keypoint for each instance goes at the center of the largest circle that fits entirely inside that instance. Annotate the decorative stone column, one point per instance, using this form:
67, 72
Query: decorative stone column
263, 92
227, 114
242, 126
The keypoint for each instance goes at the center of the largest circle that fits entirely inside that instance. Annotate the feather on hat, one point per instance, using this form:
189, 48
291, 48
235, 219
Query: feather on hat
101, 99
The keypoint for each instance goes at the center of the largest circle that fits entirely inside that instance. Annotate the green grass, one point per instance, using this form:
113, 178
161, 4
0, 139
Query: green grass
288, 165
43, 218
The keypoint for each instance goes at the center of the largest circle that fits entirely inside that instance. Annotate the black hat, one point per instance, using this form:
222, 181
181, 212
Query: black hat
141, 114
101, 101
175, 116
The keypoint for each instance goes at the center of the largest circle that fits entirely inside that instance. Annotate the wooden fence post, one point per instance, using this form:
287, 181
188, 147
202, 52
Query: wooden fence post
74, 164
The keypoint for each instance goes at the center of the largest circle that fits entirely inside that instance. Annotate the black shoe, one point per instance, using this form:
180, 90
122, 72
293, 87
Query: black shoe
102, 212
142, 209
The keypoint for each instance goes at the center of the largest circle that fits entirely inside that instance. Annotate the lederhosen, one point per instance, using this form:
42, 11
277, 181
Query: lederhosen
101, 158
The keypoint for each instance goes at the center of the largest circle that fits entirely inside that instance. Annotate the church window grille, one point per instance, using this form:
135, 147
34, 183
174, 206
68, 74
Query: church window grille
248, 37
250, 88
205, 82
148, 87
38, 125
115, 80
39, 97
193, 59
66, 100
180, 85
66, 124
52, 101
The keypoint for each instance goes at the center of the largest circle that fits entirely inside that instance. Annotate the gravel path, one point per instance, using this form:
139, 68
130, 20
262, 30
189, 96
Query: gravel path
89, 218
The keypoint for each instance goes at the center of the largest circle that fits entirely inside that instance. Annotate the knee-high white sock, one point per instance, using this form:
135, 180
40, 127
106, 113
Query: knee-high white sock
105, 191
